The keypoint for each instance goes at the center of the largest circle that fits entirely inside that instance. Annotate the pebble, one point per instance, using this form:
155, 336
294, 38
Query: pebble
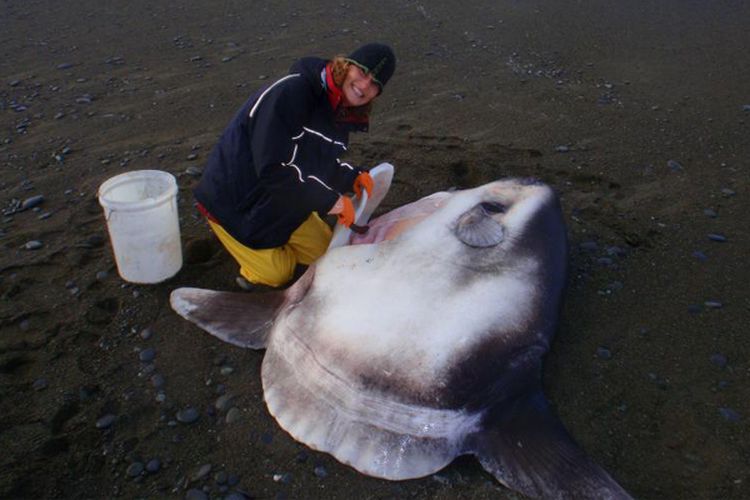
106, 421
674, 166
32, 202
709, 212
604, 353
147, 355
192, 156
729, 414
202, 472
188, 415
102, 275
157, 380
153, 466
321, 471
713, 304
194, 171
233, 415
196, 494
719, 360
14, 83
235, 495
233, 480
146, 333
220, 478
135, 469
33, 245
65, 66
40, 384
700, 256
282, 478
720, 238
227, 370
589, 246
224, 402
728, 192
562, 148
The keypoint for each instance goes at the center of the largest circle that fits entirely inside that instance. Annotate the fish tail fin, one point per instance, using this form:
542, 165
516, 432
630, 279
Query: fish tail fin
243, 319
528, 450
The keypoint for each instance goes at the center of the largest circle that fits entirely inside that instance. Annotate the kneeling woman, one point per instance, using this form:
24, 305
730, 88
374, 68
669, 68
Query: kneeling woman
277, 165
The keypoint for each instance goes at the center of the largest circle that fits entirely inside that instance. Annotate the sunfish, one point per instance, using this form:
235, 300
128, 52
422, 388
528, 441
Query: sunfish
422, 341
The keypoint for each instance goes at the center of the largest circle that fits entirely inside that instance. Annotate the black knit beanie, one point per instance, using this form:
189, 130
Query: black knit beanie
376, 59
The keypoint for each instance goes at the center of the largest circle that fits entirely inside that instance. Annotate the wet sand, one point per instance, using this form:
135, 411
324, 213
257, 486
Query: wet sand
637, 115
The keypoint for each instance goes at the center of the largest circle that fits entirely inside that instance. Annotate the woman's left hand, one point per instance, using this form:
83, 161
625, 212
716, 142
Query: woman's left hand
363, 180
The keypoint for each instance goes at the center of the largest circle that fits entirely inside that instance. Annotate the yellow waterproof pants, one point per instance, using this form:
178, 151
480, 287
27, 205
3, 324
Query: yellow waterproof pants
275, 266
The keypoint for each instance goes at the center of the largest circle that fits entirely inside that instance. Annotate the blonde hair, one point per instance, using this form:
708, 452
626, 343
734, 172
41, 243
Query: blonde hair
339, 69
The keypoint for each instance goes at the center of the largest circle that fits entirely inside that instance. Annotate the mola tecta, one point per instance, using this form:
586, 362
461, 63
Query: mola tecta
422, 341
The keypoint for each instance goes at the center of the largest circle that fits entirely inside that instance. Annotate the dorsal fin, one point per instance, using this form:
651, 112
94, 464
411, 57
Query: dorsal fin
243, 319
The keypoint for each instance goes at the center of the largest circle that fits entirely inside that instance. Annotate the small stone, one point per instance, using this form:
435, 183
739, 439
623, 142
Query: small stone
147, 355
196, 494
157, 380
562, 148
233, 415
102, 275
674, 166
106, 421
146, 333
220, 477
713, 304
589, 246
32, 202
153, 466
719, 360
709, 212
227, 370
192, 156
65, 66
720, 238
224, 402
33, 245
746, 107
603, 353
233, 480
729, 414
321, 471
14, 83
40, 384
728, 192
700, 256
202, 472
188, 415
194, 171
135, 469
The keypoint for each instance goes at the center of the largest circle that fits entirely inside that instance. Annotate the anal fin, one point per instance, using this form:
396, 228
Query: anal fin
528, 450
242, 319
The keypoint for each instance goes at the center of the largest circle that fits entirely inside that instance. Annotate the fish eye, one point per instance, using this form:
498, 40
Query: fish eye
493, 207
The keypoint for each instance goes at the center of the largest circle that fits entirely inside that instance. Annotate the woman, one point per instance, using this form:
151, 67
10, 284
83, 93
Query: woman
277, 165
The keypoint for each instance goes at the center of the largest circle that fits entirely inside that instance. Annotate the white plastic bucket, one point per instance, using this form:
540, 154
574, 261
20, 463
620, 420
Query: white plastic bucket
141, 212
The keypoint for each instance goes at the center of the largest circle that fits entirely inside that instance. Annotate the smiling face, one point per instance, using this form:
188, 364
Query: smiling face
358, 88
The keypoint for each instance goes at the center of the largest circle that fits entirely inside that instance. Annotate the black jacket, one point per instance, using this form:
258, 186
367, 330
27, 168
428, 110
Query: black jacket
278, 160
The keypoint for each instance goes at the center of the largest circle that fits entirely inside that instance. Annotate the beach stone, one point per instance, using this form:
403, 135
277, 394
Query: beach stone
194, 171
135, 469
226, 370
188, 415
728, 192
65, 65
603, 353
33, 245
153, 466
106, 421
730, 415
233, 480
40, 384
719, 360
674, 166
220, 478
224, 402
102, 275
321, 471
713, 304
147, 355
589, 246
32, 202
146, 333
720, 238
236, 495
157, 380
233, 415
196, 494
191, 157
700, 256
709, 212
202, 472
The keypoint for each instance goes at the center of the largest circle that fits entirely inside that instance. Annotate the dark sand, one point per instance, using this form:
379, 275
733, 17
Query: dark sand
592, 97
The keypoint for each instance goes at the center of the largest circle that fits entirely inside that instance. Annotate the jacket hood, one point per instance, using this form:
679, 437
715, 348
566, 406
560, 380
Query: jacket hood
310, 68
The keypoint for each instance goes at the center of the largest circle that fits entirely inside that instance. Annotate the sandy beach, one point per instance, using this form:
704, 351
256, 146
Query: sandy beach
638, 115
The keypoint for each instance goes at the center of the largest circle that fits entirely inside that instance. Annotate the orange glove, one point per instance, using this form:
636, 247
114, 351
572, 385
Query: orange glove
344, 209
363, 180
